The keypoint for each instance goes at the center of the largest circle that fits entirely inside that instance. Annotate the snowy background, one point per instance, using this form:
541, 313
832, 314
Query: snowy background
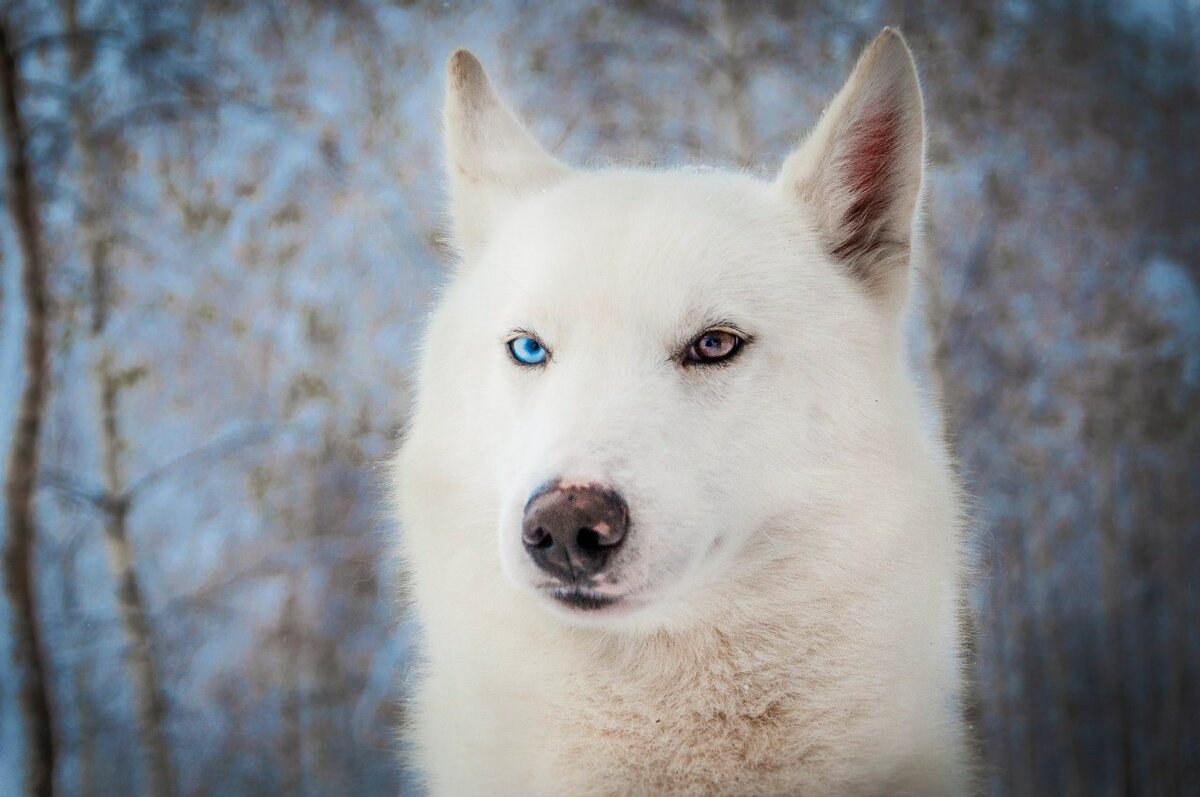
260, 182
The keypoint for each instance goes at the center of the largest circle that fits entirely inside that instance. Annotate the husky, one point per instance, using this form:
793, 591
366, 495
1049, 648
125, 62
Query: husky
674, 519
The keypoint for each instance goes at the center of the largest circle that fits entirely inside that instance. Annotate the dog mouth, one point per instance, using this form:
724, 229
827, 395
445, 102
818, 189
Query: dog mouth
582, 599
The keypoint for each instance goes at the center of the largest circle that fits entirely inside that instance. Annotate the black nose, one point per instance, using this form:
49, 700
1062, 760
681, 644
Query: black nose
572, 532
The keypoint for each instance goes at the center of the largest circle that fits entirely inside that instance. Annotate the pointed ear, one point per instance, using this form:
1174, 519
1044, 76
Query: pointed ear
491, 158
860, 169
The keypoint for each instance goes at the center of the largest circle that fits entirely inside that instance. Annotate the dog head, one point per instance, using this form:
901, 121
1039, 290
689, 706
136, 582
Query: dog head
650, 375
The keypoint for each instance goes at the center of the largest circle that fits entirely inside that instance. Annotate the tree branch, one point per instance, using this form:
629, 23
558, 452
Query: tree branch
76, 488
207, 454
92, 37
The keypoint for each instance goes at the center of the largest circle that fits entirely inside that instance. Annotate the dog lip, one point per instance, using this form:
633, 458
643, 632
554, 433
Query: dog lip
582, 599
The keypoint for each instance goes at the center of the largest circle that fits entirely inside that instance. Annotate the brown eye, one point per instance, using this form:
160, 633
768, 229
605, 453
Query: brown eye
712, 346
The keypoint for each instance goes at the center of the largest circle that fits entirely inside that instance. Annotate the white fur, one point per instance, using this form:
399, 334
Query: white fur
792, 570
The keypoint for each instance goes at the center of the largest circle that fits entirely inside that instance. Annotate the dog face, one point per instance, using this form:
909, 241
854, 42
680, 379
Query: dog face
658, 366
663, 325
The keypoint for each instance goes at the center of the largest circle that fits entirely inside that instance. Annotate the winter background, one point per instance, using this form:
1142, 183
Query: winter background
239, 221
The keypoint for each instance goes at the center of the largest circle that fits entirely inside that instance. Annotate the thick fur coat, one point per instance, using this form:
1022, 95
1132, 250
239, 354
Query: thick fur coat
784, 614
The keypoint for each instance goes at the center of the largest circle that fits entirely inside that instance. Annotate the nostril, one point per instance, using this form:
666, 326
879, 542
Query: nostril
592, 540
539, 538
588, 540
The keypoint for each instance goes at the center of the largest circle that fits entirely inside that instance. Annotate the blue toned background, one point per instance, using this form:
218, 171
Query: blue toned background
259, 186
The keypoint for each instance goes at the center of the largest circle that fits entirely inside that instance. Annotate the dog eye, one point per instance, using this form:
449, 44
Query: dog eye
712, 346
526, 350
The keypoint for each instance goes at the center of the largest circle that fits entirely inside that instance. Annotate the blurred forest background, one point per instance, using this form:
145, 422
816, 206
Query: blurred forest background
220, 234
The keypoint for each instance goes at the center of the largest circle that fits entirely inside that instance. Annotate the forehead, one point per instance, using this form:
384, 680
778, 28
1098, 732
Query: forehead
673, 243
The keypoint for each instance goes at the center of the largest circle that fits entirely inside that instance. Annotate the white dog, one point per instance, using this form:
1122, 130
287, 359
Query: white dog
673, 519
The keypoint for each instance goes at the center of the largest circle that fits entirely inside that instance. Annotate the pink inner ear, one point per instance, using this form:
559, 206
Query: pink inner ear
868, 165
874, 139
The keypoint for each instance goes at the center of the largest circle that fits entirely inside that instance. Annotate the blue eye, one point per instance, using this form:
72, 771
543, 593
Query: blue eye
527, 351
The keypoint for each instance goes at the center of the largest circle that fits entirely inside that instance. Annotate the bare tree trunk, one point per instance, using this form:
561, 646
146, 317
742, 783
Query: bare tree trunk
80, 682
21, 480
736, 120
150, 703
291, 737
80, 674
95, 245
1114, 580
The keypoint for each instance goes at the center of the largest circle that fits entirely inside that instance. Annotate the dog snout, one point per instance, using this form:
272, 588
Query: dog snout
571, 531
